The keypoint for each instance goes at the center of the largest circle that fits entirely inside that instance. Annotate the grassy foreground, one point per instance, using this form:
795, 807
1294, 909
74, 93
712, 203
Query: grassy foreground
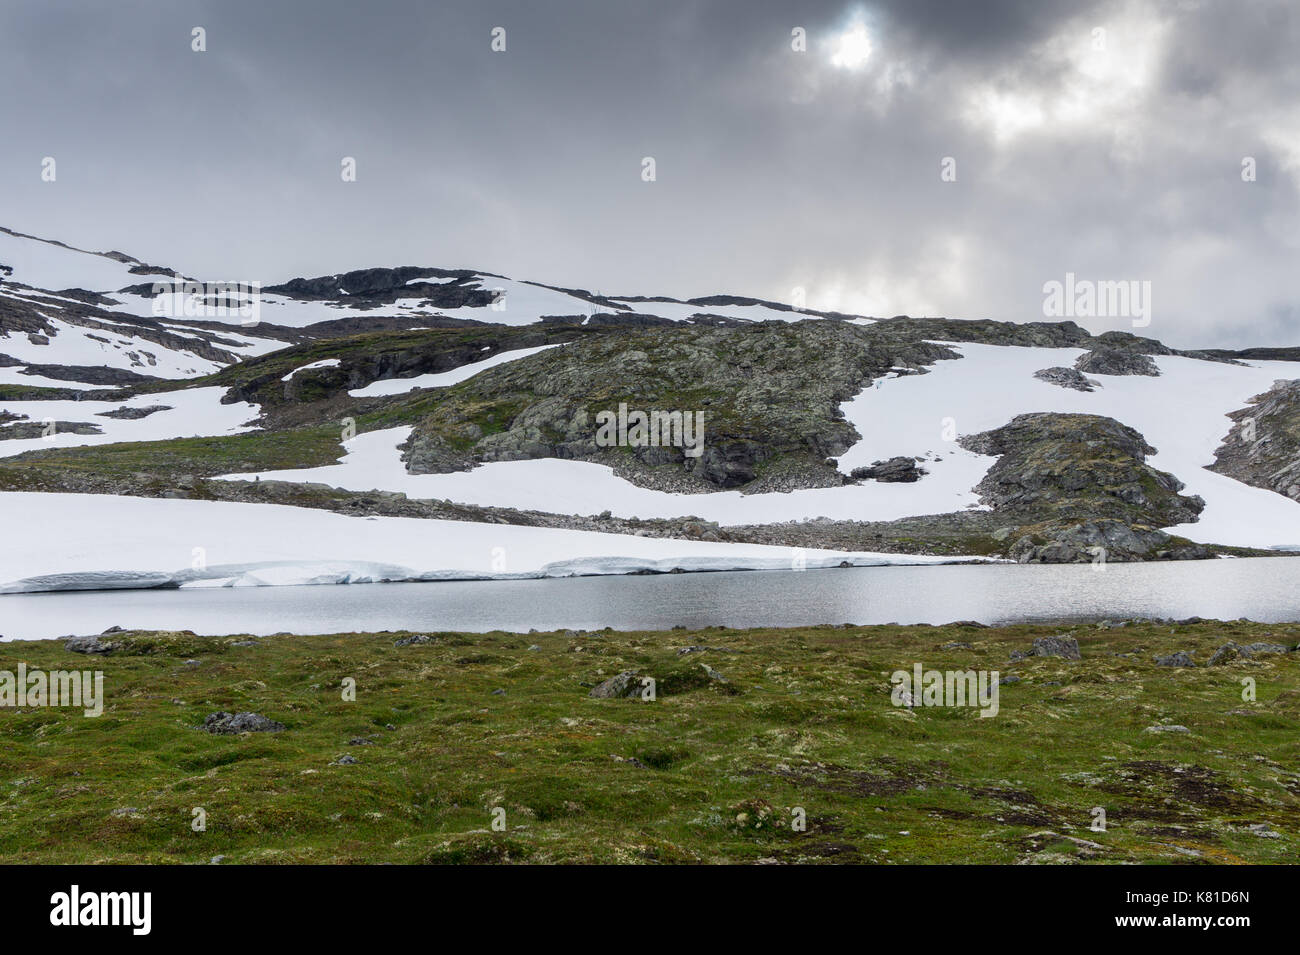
448, 731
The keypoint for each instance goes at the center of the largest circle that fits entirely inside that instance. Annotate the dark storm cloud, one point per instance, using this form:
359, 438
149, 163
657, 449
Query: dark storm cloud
776, 169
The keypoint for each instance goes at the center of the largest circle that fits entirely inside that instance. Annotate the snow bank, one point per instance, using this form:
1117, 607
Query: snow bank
323, 363
194, 413
443, 379
84, 541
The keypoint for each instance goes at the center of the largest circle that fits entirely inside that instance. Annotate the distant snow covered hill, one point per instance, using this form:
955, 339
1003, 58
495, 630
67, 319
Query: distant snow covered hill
437, 400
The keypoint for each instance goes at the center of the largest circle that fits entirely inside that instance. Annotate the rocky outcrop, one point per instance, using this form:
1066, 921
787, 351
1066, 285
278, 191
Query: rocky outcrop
1080, 490
1263, 448
894, 471
89, 374
1116, 361
455, 288
768, 394
1067, 378
625, 685
40, 429
133, 414
1085, 464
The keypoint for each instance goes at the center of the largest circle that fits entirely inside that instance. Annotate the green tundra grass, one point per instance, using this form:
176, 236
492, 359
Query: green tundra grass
452, 731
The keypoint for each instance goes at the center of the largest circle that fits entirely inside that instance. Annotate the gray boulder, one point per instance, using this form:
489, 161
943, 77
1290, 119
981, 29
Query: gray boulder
1067, 378
623, 686
1116, 361
898, 470
90, 644
1180, 659
1060, 645
228, 724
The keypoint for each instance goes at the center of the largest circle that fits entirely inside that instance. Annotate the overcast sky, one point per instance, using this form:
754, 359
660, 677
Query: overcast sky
1113, 155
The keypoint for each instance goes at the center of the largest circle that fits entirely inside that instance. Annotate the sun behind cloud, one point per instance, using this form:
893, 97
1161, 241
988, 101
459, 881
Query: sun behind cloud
852, 47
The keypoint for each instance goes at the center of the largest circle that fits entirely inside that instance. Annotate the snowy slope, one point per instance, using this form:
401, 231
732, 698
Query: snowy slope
193, 412
46, 265
70, 344
145, 542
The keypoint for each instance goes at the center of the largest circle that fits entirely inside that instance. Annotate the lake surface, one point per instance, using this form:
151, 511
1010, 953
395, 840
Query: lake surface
1266, 589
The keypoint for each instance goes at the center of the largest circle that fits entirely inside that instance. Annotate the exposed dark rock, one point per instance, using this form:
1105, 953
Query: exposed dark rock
1265, 648
1226, 654
1067, 378
90, 644
1263, 449
415, 639
454, 288
625, 685
1082, 491
895, 470
1061, 645
132, 414
226, 724
39, 429
89, 374
1180, 659
1115, 361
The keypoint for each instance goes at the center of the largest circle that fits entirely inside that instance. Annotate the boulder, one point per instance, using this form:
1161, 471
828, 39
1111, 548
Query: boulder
1116, 361
1067, 378
625, 685
228, 724
1061, 645
894, 471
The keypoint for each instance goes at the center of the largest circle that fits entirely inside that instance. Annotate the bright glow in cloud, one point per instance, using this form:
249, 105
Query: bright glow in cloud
1105, 74
853, 48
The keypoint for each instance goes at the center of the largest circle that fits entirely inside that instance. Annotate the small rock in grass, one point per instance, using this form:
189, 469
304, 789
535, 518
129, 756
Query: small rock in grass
345, 760
1263, 830
227, 724
713, 674
1227, 653
1061, 645
415, 638
1180, 659
625, 684
90, 644
1167, 728
1266, 648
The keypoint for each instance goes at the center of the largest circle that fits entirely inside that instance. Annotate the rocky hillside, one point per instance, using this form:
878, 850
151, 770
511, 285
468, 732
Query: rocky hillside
769, 393
1263, 450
